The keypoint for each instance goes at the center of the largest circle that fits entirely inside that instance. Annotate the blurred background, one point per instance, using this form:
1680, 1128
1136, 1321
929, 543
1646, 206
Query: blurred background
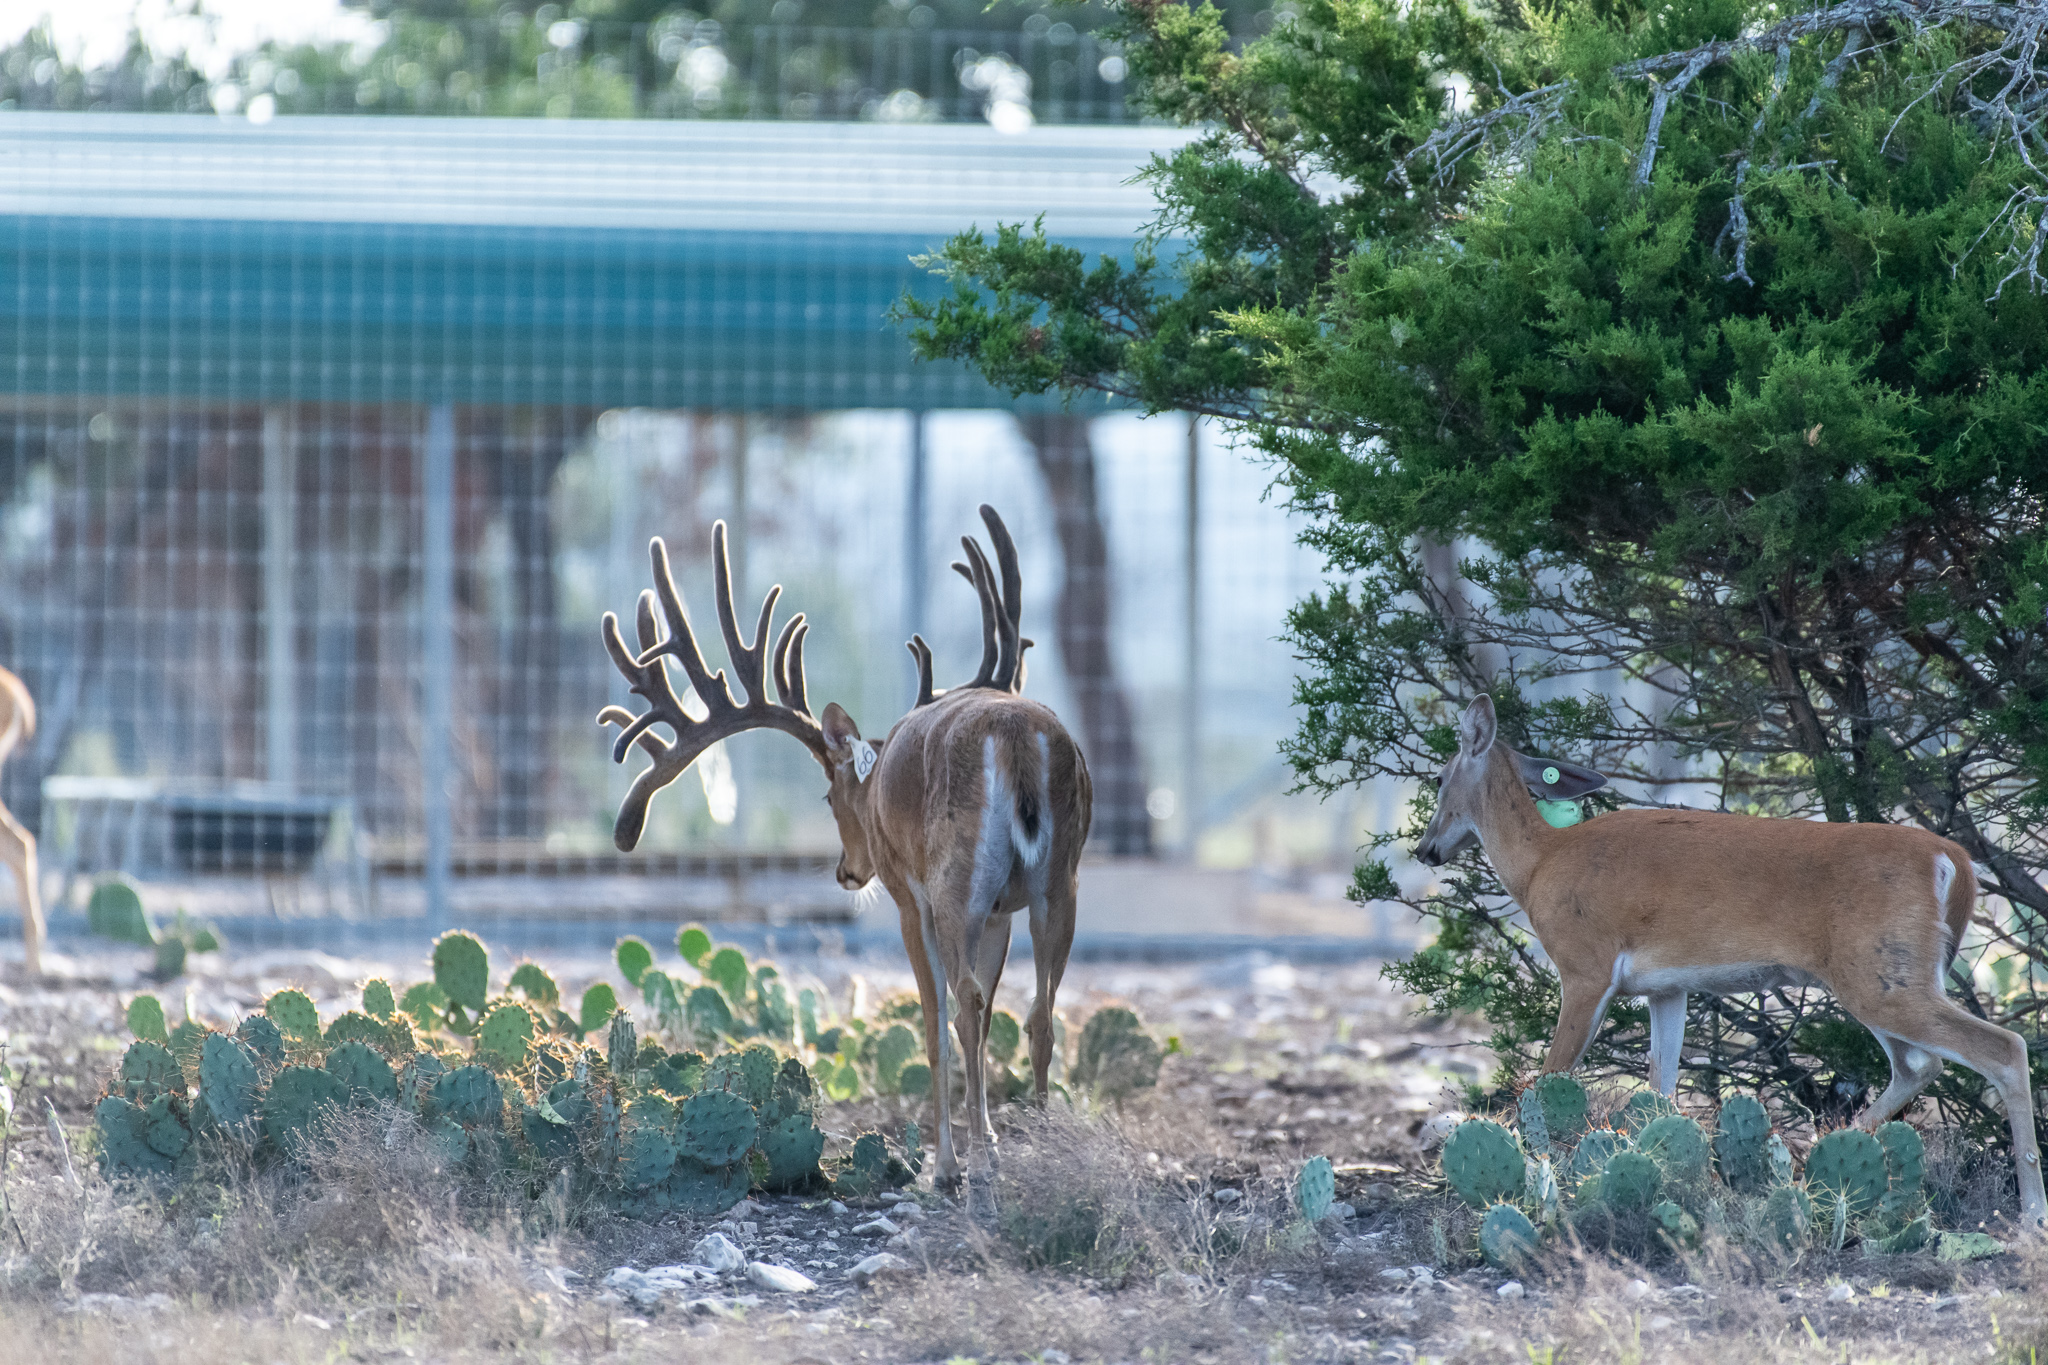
350, 355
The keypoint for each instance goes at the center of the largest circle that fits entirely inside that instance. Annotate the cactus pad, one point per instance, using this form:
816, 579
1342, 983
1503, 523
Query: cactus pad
470, 1095
552, 1137
1905, 1157
263, 1038
293, 1013
1483, 1163
914, 1081
866, 1171
634, 958
793, 1093
600, 1002
1848, 1164
228, 1078
356, 1026
1780, 1158
727, 970
647, 1155
364, 1071
1117, 1057
1564, 1106
1642, 1109
378, 1002
1674, 1227
896, 1046
1592, 1154
148, 1070
694, 944
706, 1015
1913, 1236
695, 1188
1787, 1219
1679, 1146
115, 912
1631, 1181
758, 1066
424, 1002
146, 1019
124, 1142
1741, 1137
1535, 1132
506, 1032
793, 1147
1315, 1188
462, 969
1005, 1036
297, 1097
717, 1127
1507, 1239
185, 1041
622, 1048
531, 980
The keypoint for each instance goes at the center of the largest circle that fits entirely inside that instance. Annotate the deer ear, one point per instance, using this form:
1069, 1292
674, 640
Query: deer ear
1558, 780
840, 731
1476, 728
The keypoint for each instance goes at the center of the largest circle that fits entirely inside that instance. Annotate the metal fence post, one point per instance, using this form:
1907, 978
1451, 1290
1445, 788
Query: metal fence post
1191, 644
914, 580
437, 655
280, 621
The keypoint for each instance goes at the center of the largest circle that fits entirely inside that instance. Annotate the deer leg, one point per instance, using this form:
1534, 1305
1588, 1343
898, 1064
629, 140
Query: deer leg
1052, 937
939, 1046
1667, 1035
992, 954
931, 996
1939, 1026
1583, 1004
18, 850
1913, 1070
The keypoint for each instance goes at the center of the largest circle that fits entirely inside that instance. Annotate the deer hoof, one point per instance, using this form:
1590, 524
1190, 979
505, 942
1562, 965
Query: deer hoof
981, 1200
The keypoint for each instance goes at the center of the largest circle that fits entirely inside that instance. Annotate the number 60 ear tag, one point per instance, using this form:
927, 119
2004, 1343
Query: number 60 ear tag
863, 760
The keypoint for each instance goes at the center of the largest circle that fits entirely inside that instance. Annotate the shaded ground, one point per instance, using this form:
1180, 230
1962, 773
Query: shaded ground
1165, 1223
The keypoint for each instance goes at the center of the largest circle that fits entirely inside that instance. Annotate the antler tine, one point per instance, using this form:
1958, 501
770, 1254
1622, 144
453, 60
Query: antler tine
749, 661
1013, 577
789, 664
682, 641
1001, 615
976, 572
922, 652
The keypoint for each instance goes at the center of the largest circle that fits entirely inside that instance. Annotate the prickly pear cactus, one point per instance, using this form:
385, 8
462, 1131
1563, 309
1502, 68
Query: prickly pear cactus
1592, 1154
706, 1015
469, 1095
125, 1149
531, 980
717, 1127
1741, 1137
1564, 1106
1315, 1188
1507, 1239
264, 1039
185, 1041
294, 1014
552, 1136
1780, 1157
866, 1171
896, 1046
914, 1081
1005, 1036
1674, 1227
1912, 1237
364, 1071
1642, 1109
758, 1067
1848, 1164
297, 1098
228, 1078
727, 970
793, 1148
462, 968
506, 1033
648, 1151
356, 1026
600, 1002
1679, 1147
424, 1003
146, 1019
1905, 1157
1117, 1057
793, 1094
1631, 1181
694, 943
634, 958
622, 1051
148, 1070
1787, 1220
1535, 1131
378, 1002
1483, 1163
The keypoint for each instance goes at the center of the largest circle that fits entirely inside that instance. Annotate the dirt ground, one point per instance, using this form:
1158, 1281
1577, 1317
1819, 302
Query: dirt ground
1154, 1233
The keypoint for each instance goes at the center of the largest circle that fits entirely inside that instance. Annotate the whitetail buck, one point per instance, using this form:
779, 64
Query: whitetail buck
975, 805
1657, 903
17, 845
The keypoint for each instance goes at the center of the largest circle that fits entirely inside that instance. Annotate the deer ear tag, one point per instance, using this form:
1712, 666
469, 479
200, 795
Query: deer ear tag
863, 760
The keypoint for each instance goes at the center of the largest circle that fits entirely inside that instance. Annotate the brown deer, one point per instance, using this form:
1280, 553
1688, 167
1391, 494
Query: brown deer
17, 845
973, 807
1658, 903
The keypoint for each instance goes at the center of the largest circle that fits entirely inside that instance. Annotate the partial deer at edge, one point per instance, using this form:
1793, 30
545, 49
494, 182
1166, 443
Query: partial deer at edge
972, 808
1659, 903
17, 845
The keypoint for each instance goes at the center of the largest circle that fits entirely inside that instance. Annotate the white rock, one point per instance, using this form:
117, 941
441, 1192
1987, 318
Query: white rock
321, 1324
1511, 1290
1635, 1289
879, 1266
1438, 1128
909, 1240
780, 1279
1393, 1274
1227, 1196
834, 1206
625, 1279
1052, 1356
1658, 1322
878, 1227
747, 1208
717, 1254
1840, 1293
908, 1212
890, 1197
1340, 1213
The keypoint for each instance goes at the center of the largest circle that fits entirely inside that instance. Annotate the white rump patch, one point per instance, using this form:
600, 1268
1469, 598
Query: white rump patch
1944, 878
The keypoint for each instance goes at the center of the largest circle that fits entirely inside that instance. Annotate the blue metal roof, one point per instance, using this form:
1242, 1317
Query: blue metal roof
732, 266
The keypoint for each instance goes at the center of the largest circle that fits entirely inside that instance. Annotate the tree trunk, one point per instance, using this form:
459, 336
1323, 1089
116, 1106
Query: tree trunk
1081, 623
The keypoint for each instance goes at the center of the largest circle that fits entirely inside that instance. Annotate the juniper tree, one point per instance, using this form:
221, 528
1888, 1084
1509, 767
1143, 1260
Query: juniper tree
1710, 335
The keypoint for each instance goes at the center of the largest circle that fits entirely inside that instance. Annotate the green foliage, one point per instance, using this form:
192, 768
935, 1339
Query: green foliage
1631, 1181
263, 1038
1483, 1163
462, 970
727, 969
146, 1019
1117, 1057
793, 1148
634, 958
1678, 1145
893, 1049
1788, 1219
468, 1095
378, 1002
1315, 1188
296, 1100
1592, 1154
228, 1077
1641, 1110
693, 943
1535, 1129
1739, 1145
1848, 1164
597, 1007
115, 911
148, 1070
1564, 1105
621, 1047
717, 1127
533, 982
1005, 1036
1507, 1239
358, 1027
506, 1033
1674, 1227
709, 1017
